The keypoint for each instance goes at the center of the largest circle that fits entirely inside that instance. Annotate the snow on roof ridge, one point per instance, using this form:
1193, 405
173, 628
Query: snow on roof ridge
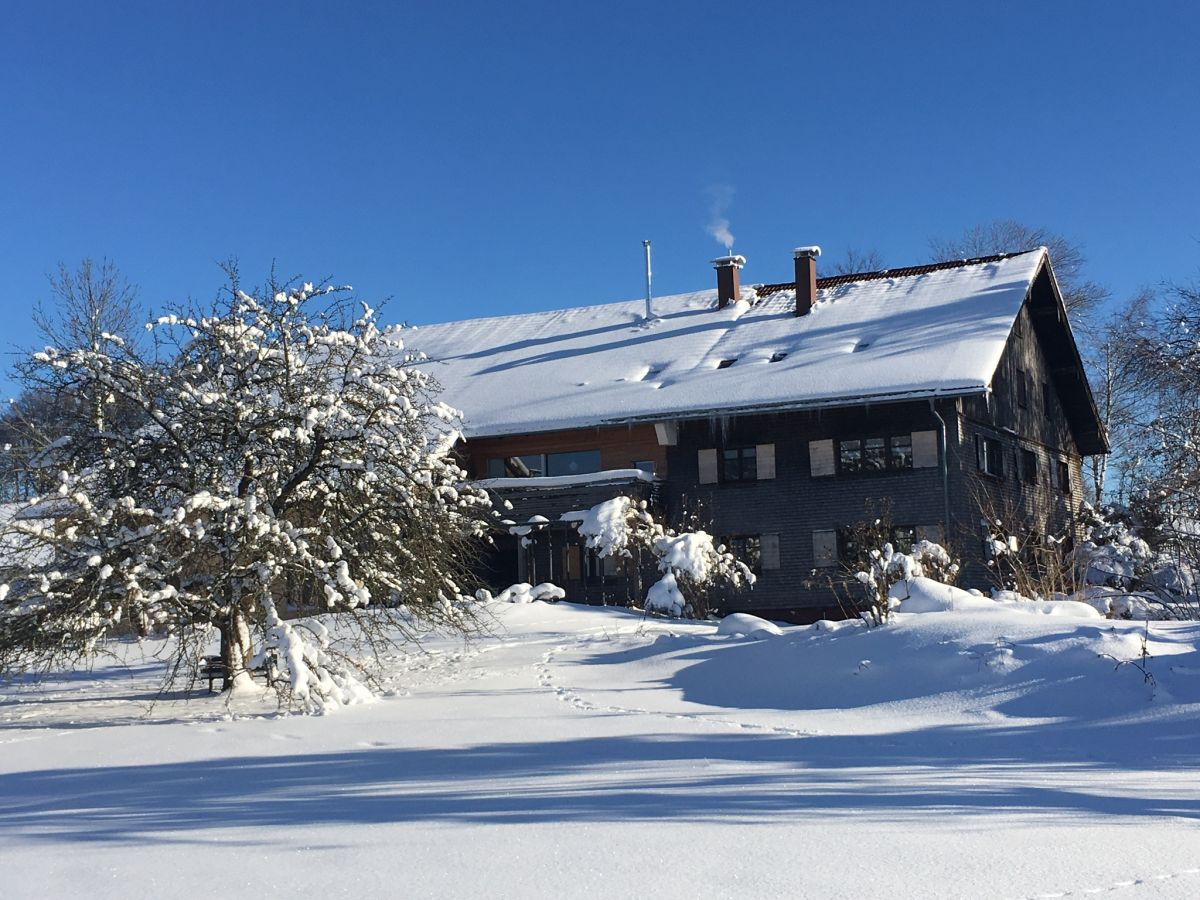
760, 289
601, 364
913, 271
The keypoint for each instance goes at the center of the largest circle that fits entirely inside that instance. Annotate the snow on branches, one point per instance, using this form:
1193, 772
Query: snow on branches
283, 455
695, 569
886, 567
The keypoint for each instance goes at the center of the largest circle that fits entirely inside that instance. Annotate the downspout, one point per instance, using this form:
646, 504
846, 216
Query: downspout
945, 467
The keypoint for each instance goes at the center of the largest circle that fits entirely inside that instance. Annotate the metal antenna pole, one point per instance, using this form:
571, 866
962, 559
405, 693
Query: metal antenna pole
649, 307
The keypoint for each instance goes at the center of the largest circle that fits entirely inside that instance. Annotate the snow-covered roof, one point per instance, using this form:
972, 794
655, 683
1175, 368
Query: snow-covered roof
884, 336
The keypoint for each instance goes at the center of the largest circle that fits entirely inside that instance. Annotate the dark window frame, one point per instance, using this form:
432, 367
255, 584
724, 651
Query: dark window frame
543, 463
746, 548
901, 537
746, 469
1029, 466
989, 456
600, 572
889, 455
556, 457
506, 466
1064, 477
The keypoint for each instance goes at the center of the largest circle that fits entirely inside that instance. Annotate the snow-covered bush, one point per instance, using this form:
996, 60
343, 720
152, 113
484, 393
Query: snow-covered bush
523, 592
873, 563
1114, 568
286, 454
887, 568
1125, 576
1029, 562
613, 528
696, 572
1113, 554
746, 625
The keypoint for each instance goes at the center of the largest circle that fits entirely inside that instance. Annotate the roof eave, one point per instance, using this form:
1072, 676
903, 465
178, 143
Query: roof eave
973, 390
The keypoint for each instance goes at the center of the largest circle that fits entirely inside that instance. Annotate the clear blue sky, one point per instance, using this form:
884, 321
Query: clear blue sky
476, 158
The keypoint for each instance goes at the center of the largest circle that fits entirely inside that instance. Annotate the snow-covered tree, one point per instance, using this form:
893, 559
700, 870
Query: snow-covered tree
285, 456
88, 306
696, 573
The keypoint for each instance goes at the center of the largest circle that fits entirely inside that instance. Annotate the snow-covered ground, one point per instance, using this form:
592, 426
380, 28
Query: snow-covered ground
583, 751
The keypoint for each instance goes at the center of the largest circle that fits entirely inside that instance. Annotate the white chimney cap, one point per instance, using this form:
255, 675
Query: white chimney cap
806, 251
722, 261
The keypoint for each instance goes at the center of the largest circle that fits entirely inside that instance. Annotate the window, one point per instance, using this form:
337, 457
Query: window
1064, 478
855, 544
989, 456
876, 454
1022, 389
900, 452
903, 538
739, 464
1047, 401
599, 570
645, 465
849, 456
575, 462
536, 465
1029, 467
746, 548
528, 466
726, 363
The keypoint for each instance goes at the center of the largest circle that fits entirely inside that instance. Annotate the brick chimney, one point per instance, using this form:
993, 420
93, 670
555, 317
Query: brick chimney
728, 288
806, 278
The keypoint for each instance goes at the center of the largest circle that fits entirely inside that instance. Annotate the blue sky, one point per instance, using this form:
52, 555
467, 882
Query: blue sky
472, 159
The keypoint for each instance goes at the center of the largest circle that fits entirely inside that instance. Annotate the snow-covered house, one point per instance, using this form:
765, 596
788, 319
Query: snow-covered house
783, 412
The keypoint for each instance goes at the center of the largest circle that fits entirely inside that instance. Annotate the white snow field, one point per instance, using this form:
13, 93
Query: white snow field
982, 752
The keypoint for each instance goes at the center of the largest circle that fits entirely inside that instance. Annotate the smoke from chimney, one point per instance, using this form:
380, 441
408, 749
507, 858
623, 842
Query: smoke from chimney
720, 197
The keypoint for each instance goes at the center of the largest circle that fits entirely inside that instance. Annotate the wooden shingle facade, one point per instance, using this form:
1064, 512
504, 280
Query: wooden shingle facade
780, 481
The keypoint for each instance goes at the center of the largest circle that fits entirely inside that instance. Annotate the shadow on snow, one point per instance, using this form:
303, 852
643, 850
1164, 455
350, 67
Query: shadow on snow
715, 778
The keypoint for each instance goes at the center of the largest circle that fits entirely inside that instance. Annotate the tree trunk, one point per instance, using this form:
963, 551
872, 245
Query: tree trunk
236, 649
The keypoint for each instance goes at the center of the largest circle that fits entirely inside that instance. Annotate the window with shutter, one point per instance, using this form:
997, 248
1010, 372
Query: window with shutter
739, 464
988, 456
766, 461
872, 455
770, 551
825, 549
1029, 467
924, 449
820, 458
1064, 477
746, 549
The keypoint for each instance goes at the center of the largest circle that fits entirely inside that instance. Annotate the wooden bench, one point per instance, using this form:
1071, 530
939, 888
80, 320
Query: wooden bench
213, 667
